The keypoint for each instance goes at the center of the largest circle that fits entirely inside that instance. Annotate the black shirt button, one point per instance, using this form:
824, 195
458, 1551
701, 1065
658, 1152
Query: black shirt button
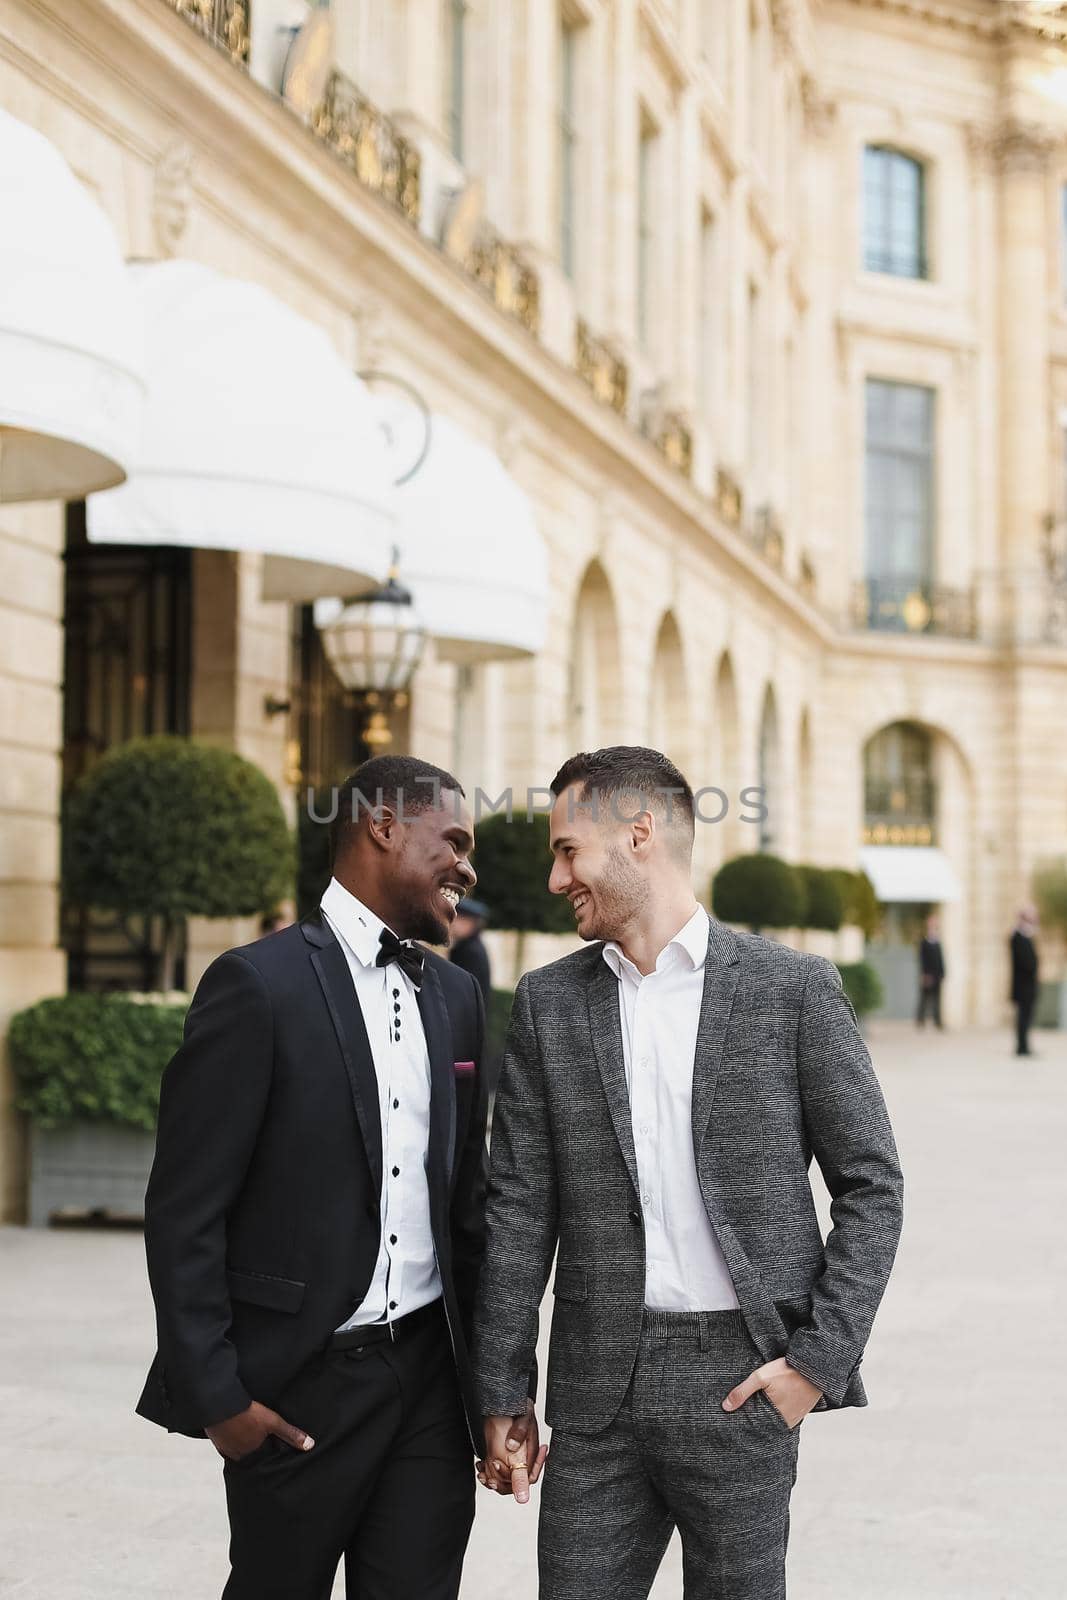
392, 1305
396, 1104
392, 1238
396, 1172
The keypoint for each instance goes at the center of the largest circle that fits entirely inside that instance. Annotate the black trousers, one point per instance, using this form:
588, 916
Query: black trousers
1024, 1011
389, 1486
929, 1003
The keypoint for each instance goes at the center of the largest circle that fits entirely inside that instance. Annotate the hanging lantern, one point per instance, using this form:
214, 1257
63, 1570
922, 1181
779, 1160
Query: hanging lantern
374, 641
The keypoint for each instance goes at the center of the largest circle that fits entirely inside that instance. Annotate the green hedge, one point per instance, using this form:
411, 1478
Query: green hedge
861, 909
512, 859
759, 891
497, 1017
825, 900
862, 985
93, 1058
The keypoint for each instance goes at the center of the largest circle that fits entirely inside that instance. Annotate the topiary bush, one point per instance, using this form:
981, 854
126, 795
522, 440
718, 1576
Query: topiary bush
861, 908
166, 827
94, 1057
824, 897
759, 891
512, 859
1049, 886
862, 985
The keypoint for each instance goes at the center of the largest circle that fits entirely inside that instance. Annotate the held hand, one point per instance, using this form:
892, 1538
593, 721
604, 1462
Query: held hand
238, 1436
790, 1393
514, 1454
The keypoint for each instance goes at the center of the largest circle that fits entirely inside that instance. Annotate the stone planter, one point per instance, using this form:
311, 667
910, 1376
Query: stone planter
88, 1166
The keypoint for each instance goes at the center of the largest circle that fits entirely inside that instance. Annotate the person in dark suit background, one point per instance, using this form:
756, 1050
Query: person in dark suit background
314, 1220
931, 972
1024, 970
468, 947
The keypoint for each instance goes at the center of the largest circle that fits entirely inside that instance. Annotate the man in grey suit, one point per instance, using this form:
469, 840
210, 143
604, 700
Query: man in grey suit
662, 1095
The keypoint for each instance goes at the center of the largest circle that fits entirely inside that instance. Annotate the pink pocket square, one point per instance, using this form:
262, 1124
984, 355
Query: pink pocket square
462, 1068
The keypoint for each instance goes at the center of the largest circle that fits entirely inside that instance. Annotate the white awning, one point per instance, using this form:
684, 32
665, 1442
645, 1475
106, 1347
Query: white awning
71, 349
470, 550
912, 873
256, 437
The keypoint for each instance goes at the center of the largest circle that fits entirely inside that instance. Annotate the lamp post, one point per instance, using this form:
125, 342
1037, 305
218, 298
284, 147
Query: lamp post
374, 642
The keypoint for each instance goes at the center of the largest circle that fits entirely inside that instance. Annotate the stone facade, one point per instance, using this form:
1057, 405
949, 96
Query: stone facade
704, 519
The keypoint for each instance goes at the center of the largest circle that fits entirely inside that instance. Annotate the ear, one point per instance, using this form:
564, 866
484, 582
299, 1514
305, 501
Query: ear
383, 827
642, 833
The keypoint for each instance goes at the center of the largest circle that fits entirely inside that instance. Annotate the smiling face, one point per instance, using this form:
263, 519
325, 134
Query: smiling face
430, 871
593, 867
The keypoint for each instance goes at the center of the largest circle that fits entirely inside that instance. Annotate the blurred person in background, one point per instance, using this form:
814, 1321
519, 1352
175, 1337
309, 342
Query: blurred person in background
468, 947
931, 973
1024, 969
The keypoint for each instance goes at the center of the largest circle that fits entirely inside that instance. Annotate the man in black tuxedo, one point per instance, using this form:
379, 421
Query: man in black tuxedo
314, 1218
1024, 970
931, 973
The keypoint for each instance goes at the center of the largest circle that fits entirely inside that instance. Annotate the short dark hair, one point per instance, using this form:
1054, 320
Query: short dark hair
629, 769
405, 783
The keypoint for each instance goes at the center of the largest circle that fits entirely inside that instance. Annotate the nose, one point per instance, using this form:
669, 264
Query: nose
467, 873
559, 878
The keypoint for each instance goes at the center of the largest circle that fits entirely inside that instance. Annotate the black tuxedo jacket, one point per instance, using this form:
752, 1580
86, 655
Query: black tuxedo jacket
262, 1222
932, 959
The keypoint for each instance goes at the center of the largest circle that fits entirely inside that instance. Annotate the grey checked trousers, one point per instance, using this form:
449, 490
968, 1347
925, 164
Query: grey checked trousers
673, 1458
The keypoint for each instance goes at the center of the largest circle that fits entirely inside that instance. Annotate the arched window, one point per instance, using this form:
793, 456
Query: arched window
771, 826
894, 213
900, 799
595, 686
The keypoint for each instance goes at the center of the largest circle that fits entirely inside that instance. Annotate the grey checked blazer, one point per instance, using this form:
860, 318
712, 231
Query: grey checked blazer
781, 1074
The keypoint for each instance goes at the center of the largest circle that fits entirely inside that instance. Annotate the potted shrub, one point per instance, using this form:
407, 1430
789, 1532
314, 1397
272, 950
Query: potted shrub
87, 1070
170, 828
862, 985
824, 898
162, 827
759, 891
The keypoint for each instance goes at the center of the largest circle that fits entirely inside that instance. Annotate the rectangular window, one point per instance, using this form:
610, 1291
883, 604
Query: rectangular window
894, 213
456, 69
899, 500
646, 189
568, 147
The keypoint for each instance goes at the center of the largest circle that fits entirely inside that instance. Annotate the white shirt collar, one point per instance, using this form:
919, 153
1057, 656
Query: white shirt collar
356, 924
690, 943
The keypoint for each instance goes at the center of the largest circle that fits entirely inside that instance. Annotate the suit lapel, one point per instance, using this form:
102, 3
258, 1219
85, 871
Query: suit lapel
721, 969
335, 979
438, 1031
606, 1029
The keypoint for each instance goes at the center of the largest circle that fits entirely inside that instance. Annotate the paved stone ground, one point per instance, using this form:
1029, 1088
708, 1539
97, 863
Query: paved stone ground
950, 1486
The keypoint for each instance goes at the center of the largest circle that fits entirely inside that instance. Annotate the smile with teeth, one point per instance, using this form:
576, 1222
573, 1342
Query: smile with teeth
579, 901
453, 896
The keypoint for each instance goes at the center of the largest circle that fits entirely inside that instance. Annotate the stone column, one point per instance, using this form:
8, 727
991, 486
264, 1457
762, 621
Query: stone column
1022, 154
31, 734
622, 173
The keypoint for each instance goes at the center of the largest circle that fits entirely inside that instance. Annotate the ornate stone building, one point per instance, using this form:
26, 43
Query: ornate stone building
760, 307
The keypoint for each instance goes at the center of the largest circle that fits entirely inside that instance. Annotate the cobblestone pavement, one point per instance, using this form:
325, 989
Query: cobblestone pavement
950, 1486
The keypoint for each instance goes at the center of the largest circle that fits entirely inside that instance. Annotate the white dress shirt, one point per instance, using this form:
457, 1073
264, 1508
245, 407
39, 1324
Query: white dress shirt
405, 1275
660, 1013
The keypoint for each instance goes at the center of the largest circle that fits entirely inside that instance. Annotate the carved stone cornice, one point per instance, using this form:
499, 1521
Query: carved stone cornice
961, 17
820, 112
1014, 146
172, 193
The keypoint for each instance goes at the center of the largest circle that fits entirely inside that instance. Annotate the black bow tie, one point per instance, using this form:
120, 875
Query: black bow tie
408, 957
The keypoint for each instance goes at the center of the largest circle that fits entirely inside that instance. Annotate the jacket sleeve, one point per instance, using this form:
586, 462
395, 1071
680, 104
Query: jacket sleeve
468, 1194
212, 1100
522, 1224
851, 1139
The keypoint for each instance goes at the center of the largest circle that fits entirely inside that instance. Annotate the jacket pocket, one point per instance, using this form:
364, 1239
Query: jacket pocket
260, 1289
570, 1283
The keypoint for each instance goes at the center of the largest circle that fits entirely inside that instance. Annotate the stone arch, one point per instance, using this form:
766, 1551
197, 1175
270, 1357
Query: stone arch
668, 710
595, 709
